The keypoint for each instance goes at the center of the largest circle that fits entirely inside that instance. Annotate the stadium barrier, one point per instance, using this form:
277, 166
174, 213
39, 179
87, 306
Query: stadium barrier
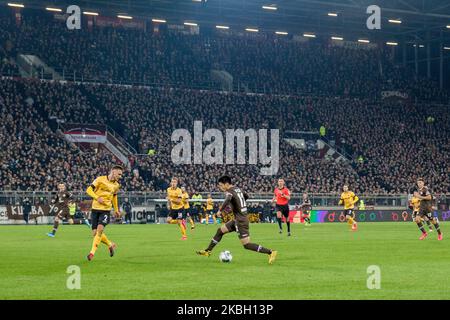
322, 200
44, 214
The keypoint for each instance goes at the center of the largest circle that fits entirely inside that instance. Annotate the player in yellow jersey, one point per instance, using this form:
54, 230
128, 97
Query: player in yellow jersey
104, 191
209, 210
348, 199
176, 206
414, 205
187, 207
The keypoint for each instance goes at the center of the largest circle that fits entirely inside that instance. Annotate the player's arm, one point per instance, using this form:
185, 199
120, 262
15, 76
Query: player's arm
91, 191
341, 201
179, 199
355, 198
115, 202
226, 202
287, 196
426, 197
55, 199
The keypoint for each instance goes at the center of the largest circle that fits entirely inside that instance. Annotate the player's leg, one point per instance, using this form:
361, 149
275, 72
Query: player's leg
70, 221
429, 225
280, 225
55, 227
207, 216
178, 215
349, 216
286, 216
96, 238
226, 228
243, 231
99, 221
104, 221
418, 220
214, 218
86, 220
191, 221
435, 222
307, 218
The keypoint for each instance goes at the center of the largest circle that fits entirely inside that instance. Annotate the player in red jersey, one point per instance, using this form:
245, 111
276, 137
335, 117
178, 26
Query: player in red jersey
281, 198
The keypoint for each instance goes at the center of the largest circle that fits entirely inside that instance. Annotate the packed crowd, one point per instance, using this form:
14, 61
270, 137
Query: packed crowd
399, 148
390, 143
258, 63
34, 157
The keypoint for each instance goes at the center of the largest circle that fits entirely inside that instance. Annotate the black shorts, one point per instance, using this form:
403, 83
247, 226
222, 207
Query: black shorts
240, 225
426, 214
177, 213
62, 214
284, 209
102, 217
350, 212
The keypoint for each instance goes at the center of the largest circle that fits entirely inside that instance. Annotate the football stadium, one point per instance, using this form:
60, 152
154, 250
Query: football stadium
225, 150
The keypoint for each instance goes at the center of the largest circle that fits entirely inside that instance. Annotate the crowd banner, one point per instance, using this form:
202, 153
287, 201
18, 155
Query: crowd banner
85, 133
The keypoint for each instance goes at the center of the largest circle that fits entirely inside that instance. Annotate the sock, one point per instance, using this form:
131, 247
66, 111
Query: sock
351, 221
95, 242
191, 222
182, 228
307, 220
420, 225
215, 240
55, 227
105, 240
257, 248
207, 219
438, 228
428, 223
279, 223
214, 219
288, 225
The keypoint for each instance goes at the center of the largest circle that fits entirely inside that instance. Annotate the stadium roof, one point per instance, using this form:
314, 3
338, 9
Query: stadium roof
419, 18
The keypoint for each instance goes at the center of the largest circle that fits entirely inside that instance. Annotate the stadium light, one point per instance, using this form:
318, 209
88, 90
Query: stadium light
90, 13
53, 9
269, 7
192, 24
337, 38
363, 41
284, 33
395, 21
389, 43
332, 14
159, 20
124, 17
309, 35
446, 48
222, 27
16, 5
251, 30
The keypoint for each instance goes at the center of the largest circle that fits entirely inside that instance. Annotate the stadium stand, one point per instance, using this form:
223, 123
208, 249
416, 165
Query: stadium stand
302, 86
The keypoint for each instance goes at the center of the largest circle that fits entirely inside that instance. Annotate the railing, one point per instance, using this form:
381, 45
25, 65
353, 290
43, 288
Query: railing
330, 200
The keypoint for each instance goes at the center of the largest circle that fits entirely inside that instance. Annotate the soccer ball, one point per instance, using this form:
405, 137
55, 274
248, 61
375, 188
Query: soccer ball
225, 256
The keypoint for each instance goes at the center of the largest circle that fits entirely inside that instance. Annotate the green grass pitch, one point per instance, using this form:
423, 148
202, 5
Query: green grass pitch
323, 261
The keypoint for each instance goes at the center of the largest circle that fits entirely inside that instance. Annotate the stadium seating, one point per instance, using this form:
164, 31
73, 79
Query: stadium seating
304, 85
